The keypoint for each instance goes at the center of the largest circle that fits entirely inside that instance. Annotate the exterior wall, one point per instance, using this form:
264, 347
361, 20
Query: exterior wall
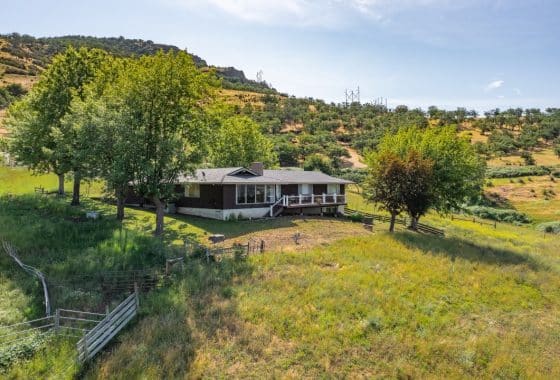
314, 210
250, 213
211, 197
342, 189
319, 189
289, 190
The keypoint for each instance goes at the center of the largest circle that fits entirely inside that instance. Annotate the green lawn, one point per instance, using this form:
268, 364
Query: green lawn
479, 303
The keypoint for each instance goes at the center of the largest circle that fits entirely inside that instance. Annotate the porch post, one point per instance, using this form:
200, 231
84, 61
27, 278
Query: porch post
299, 198
324, 198
312, 198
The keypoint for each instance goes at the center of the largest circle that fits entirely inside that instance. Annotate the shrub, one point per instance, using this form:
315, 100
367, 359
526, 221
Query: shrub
517, 171
356, 217
549, 227
498, 214
528, 158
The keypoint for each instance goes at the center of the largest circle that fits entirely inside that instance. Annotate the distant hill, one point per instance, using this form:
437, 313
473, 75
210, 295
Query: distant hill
24, 55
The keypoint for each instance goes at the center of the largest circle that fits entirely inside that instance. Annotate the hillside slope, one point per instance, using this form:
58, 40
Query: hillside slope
23, 57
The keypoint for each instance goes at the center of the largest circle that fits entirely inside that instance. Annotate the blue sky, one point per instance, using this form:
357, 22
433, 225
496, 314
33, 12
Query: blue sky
479, 54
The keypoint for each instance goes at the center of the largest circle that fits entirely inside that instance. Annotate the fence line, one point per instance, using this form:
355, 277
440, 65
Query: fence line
402, 221
11, 251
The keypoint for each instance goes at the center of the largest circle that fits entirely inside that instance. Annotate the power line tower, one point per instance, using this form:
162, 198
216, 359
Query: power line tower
352, 96
381, 101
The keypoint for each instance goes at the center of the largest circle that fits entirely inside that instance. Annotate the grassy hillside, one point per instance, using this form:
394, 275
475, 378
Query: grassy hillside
479, 303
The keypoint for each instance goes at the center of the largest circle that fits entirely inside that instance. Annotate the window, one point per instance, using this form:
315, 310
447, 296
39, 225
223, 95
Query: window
270, 193
305, 189
333, 188
241, 192
192, 190
250, 193
260, 193
253, 194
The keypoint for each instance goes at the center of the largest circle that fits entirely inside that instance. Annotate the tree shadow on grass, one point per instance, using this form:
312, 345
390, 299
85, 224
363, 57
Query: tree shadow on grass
458, 248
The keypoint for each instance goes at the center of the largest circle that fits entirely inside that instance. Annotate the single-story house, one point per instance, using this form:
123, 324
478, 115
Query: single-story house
255, 192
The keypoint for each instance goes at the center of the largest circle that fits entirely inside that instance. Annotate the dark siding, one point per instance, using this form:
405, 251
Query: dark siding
342, 189
319, 189
289, 190
211, 196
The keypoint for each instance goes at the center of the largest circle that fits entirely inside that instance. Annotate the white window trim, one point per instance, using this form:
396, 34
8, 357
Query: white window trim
266, 201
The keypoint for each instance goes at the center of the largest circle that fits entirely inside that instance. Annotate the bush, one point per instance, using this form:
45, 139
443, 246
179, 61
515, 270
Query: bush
498, 214
517, 171
549, 227
528, 158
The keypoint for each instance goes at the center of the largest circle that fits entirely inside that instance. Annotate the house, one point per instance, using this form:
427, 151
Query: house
255, 192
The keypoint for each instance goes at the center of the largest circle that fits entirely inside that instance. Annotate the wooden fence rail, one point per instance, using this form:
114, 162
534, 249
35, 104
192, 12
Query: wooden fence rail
402, 221
11, 251
98, 337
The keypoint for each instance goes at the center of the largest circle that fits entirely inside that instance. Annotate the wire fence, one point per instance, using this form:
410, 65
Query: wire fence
402, 221
12, 252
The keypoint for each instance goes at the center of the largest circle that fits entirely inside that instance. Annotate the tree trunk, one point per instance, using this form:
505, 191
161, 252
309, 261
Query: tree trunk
61, 184
392, 225
160, 213
120, 206
413, 223
76, 189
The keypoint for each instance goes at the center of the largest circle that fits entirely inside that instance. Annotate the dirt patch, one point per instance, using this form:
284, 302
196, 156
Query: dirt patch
355, 161
304, 233
292, 127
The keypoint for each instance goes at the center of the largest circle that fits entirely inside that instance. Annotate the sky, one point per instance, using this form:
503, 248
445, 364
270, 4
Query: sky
479, 54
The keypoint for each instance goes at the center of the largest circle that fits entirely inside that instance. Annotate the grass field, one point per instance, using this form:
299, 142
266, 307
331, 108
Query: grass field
479, 303
537, 196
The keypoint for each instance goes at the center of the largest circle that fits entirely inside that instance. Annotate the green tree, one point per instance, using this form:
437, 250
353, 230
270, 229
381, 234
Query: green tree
317, 161
162, 100
384, 183
458, 172
239, 142
419, 183
40, 139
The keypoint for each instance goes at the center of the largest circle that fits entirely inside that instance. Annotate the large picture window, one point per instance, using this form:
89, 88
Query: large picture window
253, 194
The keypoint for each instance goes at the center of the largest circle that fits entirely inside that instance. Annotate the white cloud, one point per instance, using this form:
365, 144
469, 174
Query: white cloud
323, 13
517, 91
494, 85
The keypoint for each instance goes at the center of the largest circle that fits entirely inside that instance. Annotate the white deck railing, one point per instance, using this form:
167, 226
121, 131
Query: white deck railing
311, 199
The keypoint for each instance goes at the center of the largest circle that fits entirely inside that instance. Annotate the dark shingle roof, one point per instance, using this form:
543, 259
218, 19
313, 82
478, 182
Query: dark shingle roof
241, 175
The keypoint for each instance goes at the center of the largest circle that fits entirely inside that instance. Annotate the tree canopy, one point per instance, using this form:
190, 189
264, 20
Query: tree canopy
239, 142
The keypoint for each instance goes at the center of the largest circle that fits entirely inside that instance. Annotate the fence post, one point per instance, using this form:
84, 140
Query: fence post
57, 321
136, 294
166, 267
494, 224
262, 246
